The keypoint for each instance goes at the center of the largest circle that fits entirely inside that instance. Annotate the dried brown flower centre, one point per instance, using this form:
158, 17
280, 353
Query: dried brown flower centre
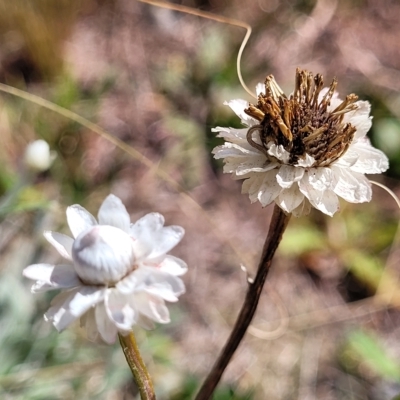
301, 123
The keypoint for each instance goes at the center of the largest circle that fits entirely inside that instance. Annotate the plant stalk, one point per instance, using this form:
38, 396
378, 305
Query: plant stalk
279, 222
137, 366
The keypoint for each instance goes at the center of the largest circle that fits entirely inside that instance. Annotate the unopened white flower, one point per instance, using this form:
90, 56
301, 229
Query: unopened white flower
121, 274
38, 156
302, 150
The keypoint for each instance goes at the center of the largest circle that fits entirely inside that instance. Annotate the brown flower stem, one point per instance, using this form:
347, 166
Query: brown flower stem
277, 226
137, 366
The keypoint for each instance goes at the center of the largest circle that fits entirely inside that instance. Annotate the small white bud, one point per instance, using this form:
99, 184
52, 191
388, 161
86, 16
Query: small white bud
38, 156
103, 254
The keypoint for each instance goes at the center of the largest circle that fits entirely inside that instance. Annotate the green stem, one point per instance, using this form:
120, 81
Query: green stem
137, 366
277, 226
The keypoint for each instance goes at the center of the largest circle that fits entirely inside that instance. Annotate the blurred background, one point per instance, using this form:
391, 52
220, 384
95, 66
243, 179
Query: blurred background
328, 324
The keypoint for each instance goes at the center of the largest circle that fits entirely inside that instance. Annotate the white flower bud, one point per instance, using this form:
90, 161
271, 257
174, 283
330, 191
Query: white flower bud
38, 156
109, 286
103, 254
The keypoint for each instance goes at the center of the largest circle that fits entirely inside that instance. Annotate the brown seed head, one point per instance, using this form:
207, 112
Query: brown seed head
301, 123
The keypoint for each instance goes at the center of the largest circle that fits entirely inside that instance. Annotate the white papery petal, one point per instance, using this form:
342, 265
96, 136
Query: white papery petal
351, 186
278, 152
65, 310
151, 239
260, 88
108, 331
149, 223
88, 322
234, 150
113, 212
79, 219
303, 209
57, 313
320, 178
308, 161
165, 239
238, 106
145, 322
62, 243
128, 284
163, 292
328, 203
152, 280
39, 272
323, 200
360, 119
348, 159
238, 136
173, 265
254, 164
370, 160
50, 277
231, 164
247, 184
290, 199
159, 281
85, 298
269, 188
152, 307
142, 245
288, 174
119, 310
308, 190
255, 186
235, 166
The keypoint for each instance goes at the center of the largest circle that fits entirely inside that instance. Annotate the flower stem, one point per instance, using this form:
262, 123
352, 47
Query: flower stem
137, 366
277, 226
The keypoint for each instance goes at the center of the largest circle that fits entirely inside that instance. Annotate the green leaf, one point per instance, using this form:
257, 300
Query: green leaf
368, 349
300, 239
366, 268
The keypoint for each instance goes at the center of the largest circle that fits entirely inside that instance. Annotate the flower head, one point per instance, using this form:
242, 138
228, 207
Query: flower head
119, 273
38, 156
302, 150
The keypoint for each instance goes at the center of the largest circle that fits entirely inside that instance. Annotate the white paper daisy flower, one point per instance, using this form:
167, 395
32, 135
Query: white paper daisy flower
303, 150
120, 275
38, 156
